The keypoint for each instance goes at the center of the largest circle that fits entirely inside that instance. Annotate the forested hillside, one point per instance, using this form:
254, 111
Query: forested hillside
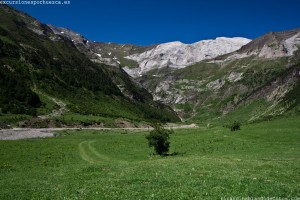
35, 62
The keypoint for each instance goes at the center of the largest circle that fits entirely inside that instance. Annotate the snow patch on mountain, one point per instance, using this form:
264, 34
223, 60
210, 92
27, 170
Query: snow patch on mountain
179, 55
76, 38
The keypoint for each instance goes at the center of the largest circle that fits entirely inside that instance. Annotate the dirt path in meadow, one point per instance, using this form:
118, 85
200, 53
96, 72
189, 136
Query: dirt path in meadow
89, 153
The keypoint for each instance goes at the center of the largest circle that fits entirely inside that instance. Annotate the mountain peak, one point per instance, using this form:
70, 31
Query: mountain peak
270, 45
179, 55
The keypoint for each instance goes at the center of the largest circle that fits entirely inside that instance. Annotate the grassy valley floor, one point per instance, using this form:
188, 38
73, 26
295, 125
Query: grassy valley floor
261, 160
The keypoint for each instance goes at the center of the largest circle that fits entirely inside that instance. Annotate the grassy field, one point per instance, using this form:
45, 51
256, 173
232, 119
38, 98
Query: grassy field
261, 160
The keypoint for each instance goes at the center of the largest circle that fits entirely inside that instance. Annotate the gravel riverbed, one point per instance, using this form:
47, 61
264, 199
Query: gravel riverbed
11, 134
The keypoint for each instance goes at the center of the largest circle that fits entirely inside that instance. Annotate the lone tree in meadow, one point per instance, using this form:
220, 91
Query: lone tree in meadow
159, 139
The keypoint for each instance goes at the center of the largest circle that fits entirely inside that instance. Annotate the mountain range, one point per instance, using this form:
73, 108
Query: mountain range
207, 81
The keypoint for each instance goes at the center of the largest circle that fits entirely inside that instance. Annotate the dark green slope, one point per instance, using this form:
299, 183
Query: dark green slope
35, 61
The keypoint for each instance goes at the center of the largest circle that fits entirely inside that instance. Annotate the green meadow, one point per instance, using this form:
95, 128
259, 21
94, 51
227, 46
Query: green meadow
260, 160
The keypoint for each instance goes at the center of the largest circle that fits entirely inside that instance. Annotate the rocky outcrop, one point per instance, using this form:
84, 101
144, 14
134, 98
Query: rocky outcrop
271, 45
215, 85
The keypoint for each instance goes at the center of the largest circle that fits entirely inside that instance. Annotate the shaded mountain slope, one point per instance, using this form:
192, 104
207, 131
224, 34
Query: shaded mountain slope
34, 60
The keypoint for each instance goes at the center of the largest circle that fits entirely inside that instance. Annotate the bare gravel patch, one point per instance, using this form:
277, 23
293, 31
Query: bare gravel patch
26, 133
11, 134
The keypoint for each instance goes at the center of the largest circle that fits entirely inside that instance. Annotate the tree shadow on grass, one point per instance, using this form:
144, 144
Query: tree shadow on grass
168, 154
175, 154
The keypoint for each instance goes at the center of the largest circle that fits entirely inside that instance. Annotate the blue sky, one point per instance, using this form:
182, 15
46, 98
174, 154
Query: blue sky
145, 22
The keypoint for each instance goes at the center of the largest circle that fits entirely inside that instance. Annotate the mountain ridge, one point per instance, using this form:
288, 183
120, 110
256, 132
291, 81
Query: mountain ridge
35, 61
135, 59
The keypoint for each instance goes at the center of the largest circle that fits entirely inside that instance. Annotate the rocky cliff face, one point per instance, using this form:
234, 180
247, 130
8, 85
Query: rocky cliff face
178, 55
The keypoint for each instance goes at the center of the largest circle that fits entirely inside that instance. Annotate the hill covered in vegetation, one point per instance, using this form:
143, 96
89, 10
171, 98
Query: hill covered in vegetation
37, 65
